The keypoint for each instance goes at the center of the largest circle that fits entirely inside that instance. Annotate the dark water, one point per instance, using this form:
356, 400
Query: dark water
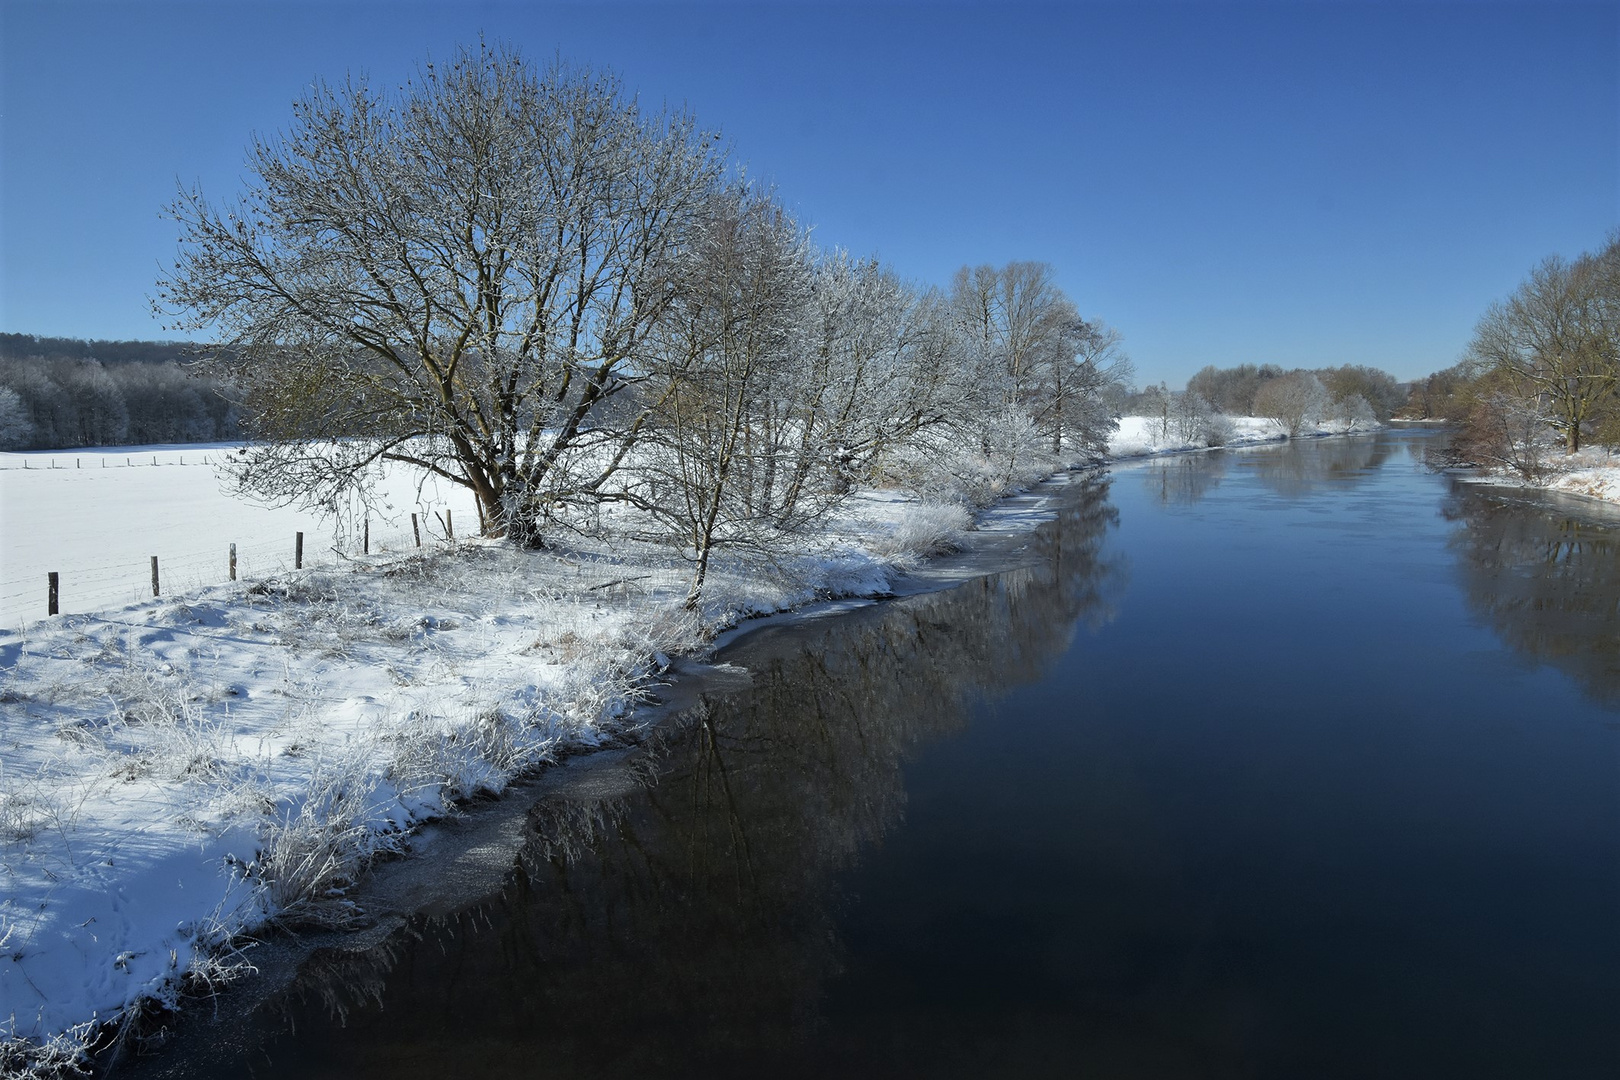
1293, 762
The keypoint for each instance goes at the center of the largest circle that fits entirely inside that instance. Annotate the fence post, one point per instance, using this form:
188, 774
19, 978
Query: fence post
298, 552
416, 530
51, 607
365, 542
233, 562
154, 576
449, 526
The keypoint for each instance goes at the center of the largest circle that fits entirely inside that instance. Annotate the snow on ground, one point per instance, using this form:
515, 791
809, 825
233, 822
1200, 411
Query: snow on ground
1593, 472
1139, 436
175, 772
96, 517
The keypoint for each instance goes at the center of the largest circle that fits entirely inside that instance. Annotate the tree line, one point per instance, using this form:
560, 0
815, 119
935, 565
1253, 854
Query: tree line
517, 278
1542, 371
62, 392
1351, 396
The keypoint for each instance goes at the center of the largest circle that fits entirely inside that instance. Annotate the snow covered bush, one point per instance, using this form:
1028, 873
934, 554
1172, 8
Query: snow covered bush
921, 531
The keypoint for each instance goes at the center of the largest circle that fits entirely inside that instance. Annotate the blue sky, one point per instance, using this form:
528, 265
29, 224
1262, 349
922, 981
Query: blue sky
1297, 183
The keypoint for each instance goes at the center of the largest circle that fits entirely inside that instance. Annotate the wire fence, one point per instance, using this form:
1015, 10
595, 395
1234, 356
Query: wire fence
72, 525
83, 587
38, 460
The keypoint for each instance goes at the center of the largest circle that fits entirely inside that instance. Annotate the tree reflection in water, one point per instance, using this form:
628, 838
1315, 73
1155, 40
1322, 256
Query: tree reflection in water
1293, 471
1183, 479
690, 925
1544, 574
1311, 464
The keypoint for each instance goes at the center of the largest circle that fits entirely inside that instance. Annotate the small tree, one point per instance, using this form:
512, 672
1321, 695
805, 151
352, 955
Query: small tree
1500, 428
459, 276
1158, 405
1290, 401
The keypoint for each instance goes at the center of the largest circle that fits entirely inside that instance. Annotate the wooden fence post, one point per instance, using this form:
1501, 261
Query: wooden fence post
51, 607
154, 576
449, 526
298, 552
416, 530
365, 542
233, 562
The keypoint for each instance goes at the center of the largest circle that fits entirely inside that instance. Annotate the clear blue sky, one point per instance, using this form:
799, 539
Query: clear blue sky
1296, 183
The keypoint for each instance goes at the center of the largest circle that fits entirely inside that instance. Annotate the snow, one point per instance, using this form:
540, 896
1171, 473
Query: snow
1140, 436
95, 517
1592, 472
177, 772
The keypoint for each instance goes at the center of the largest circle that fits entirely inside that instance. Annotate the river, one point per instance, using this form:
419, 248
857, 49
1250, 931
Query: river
1291, 761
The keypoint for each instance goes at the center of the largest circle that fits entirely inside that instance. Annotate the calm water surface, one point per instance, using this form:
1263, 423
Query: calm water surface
1291, 762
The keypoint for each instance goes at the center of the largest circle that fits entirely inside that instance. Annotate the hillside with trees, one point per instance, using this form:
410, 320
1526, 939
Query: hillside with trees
64, 392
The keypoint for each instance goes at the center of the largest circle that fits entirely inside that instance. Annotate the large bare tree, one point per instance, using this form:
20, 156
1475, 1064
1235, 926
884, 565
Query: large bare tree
1555, 343
459, 275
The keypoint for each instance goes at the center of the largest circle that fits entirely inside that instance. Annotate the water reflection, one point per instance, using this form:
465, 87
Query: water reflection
1310, 464
1546, 578
1294, 470
690, 925
1183, 479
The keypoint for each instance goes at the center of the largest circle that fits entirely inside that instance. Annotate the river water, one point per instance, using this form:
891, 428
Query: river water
1296, 761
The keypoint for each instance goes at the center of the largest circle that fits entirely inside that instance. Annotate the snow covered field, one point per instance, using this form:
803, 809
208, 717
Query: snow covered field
97, 516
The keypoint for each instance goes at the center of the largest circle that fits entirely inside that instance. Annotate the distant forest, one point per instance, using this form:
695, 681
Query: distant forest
62, 392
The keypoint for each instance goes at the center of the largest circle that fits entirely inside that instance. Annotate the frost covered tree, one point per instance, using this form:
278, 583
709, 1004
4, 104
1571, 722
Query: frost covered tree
1158, 405
715, 464
16, 429
1027, 354
461, 274
1291, 401
1080, 385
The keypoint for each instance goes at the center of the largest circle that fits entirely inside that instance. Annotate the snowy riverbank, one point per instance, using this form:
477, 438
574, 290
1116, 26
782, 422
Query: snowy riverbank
177, 772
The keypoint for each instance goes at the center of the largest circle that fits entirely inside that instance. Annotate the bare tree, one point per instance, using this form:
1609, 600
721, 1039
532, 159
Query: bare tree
1082, 378
1026, 351
710, 466
458, 275
1500, 428
1158, 405
1554, 342
1291, 401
